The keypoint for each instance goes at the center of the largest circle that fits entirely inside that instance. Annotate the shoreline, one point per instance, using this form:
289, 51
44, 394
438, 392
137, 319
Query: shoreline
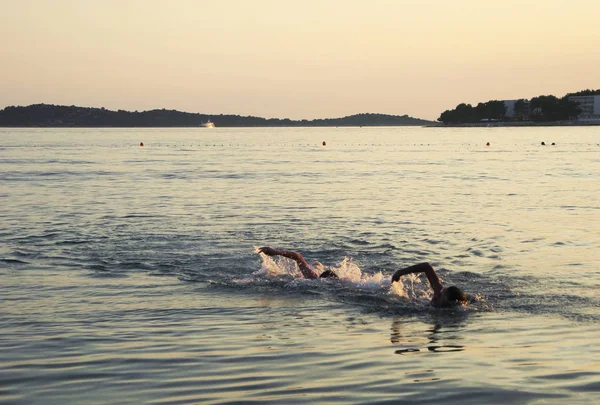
519, 124
527, 124
223, 126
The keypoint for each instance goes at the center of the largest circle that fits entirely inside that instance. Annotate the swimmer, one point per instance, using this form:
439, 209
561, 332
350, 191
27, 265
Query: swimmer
443, 297
305, 268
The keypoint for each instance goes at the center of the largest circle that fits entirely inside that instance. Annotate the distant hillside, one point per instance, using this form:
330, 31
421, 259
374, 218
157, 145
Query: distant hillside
48, 115
544, 108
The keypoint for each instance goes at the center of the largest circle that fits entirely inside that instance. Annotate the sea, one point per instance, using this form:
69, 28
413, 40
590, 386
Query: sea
129, 271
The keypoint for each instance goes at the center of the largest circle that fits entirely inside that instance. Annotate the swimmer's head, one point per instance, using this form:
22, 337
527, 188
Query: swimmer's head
453, 295
328, 274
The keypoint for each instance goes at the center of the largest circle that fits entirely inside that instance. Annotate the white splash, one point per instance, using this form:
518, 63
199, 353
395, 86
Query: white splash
277, 266
410, 287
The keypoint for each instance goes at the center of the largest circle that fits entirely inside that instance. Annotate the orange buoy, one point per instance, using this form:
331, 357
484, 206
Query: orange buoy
487, 144
141, 143
324, 143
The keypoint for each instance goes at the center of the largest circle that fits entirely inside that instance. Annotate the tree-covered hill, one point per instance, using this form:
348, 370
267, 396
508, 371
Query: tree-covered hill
544, 108
587, 92
48, 115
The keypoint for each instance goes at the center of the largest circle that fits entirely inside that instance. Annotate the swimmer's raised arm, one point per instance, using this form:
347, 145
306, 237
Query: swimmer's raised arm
426, 268
269, 251
305, 268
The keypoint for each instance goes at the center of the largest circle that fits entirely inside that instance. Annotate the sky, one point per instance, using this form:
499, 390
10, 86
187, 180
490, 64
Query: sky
297, 59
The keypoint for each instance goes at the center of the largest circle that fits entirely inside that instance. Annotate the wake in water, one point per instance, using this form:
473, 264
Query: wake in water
412, 292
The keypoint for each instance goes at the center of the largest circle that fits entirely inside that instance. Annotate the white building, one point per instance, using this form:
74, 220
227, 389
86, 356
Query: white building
590, 106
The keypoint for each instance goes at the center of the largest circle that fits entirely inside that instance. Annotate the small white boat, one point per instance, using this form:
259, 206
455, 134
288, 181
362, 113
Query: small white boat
208, 124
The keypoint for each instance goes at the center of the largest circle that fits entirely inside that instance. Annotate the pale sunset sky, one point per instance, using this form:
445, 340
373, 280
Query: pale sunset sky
295, 58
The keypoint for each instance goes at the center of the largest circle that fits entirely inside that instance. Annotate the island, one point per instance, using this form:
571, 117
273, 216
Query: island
49, 115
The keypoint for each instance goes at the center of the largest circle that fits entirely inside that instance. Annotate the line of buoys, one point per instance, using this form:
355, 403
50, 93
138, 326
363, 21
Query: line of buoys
323, 143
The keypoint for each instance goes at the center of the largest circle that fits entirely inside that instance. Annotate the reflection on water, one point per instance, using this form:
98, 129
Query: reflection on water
446, 327
138, 338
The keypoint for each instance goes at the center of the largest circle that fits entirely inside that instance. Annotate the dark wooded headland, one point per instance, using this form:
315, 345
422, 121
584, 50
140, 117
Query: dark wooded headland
47, 115
580, 108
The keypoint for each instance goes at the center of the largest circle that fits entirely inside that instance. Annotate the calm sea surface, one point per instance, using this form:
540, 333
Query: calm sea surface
128, 274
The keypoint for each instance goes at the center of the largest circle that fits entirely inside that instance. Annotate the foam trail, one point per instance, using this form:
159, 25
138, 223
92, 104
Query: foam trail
410, 288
